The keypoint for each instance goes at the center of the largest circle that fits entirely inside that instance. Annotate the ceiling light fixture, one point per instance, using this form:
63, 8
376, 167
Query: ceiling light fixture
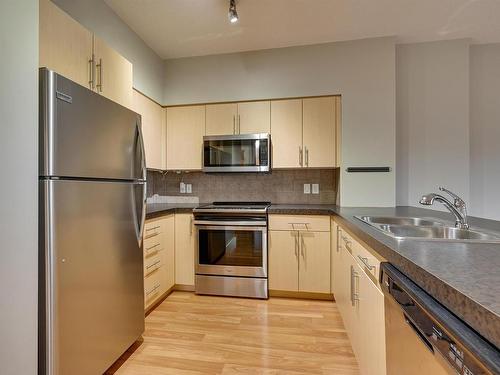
233, 14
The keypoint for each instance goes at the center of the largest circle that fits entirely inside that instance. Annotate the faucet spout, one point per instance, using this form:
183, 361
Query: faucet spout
457, 207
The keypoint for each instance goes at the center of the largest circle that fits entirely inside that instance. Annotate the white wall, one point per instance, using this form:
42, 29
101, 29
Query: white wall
18, 190
432, 115
485, 130
362, 71
98, 17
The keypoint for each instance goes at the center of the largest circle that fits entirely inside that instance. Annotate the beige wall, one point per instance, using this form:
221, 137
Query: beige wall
432, 119
19, 187
363, 72
98, 17
485, 130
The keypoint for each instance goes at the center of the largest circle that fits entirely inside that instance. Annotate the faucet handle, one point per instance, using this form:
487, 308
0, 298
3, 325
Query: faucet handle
458, 202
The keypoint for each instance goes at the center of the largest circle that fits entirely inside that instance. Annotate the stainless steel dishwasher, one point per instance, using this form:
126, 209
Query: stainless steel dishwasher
423, 337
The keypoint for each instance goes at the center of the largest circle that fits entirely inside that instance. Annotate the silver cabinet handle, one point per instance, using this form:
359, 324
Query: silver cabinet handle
234, 124
304, 224
91, 73
148, 249
296, 235
365, 262
307, 156
152, 228
153, 265
348, 243
300, 156
239, 124
99, 82
153, 289
191, 226
339, 235
302, 245
354, 295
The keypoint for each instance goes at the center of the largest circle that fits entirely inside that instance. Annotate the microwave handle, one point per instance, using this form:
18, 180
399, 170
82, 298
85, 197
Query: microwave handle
257, 152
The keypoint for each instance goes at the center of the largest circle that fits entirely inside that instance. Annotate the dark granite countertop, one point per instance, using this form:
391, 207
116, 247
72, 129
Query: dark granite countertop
464, 277
154, 210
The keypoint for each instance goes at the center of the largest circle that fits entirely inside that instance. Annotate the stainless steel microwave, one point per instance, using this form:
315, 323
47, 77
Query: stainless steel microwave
237, 153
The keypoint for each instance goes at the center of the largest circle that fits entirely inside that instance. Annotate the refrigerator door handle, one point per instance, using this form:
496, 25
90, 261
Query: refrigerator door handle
142, 155
142, 219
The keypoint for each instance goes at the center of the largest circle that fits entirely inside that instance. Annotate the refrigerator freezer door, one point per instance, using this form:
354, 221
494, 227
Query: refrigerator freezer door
92, 289
83, 134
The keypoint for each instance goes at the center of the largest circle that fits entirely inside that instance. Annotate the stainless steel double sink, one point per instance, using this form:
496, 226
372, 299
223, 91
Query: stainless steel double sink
427, 229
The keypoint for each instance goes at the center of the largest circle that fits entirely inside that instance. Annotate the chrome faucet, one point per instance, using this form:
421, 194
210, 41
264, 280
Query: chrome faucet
458, 207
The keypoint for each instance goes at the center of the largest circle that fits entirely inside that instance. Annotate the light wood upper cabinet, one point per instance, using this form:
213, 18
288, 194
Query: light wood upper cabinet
184, 249
221, 119
284, 260
113, 74
185, 128
286, 133
314, 264
153, 130
254, 117
65, 45
319, 132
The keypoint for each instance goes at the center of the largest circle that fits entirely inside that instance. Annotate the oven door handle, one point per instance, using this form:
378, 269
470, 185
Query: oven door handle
231, 223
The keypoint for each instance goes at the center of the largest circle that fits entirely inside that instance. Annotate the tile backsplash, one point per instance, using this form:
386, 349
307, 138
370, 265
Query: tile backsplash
279, 186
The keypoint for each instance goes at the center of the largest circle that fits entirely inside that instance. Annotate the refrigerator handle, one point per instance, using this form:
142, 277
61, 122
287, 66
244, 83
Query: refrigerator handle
141, 154
142, 218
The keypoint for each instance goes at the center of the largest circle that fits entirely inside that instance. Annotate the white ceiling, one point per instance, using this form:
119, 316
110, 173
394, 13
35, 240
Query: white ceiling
179, 28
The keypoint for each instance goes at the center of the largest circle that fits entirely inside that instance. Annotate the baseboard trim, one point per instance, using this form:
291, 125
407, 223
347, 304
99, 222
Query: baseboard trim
184, 287
159, 301
302, 295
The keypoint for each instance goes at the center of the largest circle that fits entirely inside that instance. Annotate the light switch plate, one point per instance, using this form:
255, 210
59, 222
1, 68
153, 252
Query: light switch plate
307, 188
315, 188
182, 187
189, 188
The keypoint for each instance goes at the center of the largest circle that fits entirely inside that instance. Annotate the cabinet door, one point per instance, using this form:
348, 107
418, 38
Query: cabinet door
185, 128
169, 251
371, 326
319, 132
113, 74
153, 130
335, 257
65, 45
283, 260
184, 249
286, 133
221, 119
314, 262
254, 117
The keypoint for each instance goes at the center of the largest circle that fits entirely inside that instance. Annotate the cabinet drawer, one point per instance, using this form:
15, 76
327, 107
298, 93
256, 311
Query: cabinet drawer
153, 245
152, 264
152, 288
152, 229
316, 223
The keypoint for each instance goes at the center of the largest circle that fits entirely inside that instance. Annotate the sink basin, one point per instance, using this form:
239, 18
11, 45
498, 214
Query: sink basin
437, 232
394, 220
426, 229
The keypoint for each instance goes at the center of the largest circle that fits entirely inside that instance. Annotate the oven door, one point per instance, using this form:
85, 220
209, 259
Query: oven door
231, 250
236, 153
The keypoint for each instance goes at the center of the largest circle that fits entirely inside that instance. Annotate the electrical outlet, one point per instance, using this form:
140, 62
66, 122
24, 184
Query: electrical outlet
315, 188
307, 188
182, 188
189, 188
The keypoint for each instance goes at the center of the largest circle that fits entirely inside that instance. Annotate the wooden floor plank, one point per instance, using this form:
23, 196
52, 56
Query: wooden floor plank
192, 334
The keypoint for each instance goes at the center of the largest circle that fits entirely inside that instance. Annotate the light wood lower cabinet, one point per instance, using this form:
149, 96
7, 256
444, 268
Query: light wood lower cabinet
185, 129
299, 260
283, 260
158, 247
360, 302
184, 249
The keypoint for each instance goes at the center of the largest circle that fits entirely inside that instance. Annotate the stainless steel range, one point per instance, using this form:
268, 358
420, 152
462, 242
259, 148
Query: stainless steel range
231, 257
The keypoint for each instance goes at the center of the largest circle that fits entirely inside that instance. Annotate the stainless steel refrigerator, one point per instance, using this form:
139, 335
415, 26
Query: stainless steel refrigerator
92, 209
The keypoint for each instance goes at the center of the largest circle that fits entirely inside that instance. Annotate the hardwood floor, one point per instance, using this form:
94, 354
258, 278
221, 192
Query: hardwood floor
191, 334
